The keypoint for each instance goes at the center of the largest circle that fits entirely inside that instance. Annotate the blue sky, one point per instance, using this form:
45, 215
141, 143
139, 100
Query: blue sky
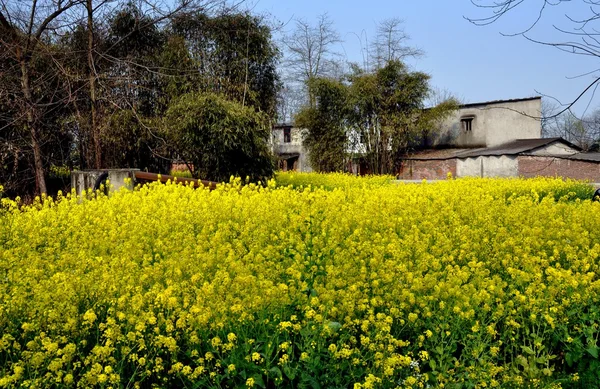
475, 63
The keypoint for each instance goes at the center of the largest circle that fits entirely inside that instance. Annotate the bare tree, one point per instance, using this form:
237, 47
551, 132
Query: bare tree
391, 43
591, 124
549, 119
289, 101
581, 33
582, 132
310, 51
24, 26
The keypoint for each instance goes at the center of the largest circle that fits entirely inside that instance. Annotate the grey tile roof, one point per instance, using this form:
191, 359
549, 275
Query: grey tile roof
516, 147
591, 157
472, 105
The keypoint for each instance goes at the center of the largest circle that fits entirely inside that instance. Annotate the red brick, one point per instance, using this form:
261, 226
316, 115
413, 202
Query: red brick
427, 169
534, 166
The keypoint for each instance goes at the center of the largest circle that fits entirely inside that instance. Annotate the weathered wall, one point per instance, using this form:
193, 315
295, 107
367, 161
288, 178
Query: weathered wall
501, 166
427, 169
493, 124
558, 167
488, 166
86, 179
296, 141
293, 147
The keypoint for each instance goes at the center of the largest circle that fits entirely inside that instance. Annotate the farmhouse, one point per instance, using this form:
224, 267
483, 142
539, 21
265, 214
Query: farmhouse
499, 138
286, 143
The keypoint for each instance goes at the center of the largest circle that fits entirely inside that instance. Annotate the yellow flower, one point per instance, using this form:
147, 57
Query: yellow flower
256, 357
366, 268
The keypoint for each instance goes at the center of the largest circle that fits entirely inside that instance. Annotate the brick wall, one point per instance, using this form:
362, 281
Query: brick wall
427, 169
530, 166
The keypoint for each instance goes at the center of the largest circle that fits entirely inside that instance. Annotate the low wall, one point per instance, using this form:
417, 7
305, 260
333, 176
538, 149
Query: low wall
533, 166
437, 169
488, 166
83, 180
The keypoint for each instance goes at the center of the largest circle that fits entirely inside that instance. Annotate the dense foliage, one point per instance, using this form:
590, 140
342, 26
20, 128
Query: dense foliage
371, 119
218, 138
462, 283
92, 90
326, 136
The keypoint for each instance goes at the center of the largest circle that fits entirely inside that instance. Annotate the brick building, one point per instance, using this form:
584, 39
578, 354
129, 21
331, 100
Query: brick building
499, 139
548, 157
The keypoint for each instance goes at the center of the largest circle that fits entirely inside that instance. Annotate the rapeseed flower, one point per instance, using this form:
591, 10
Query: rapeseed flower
364, 282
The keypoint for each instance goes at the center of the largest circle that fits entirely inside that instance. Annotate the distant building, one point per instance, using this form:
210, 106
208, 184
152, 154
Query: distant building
286, 143
499, 138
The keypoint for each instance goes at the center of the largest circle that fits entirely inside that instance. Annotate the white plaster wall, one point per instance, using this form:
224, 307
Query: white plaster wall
501, 166
555, 148
469, 167
494, 124
488, 166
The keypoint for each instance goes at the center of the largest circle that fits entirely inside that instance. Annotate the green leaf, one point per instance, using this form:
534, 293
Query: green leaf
276, 371
569, 359
289, 372
432, 364
593, 350
528, 350
258, 381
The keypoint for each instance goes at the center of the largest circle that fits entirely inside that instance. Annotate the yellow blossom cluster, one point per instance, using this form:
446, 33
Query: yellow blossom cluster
350, 282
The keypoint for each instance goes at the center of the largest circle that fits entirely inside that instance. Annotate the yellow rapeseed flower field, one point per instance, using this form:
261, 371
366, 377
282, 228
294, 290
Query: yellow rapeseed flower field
314, 281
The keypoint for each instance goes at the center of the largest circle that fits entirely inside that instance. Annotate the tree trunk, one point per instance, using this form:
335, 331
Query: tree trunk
92, 82
40, 180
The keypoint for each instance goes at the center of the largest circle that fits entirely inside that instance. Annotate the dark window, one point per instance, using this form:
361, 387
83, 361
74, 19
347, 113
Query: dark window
467, 124
287, 135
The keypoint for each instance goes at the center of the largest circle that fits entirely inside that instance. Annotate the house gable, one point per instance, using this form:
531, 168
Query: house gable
492, 123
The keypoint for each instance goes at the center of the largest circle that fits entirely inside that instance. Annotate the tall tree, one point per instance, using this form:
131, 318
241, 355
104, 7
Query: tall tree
388, 113
24, 33
326, 123
375, 118
232, 54
311, 52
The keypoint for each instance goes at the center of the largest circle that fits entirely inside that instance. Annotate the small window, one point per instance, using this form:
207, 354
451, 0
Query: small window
287, 135
467, 124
